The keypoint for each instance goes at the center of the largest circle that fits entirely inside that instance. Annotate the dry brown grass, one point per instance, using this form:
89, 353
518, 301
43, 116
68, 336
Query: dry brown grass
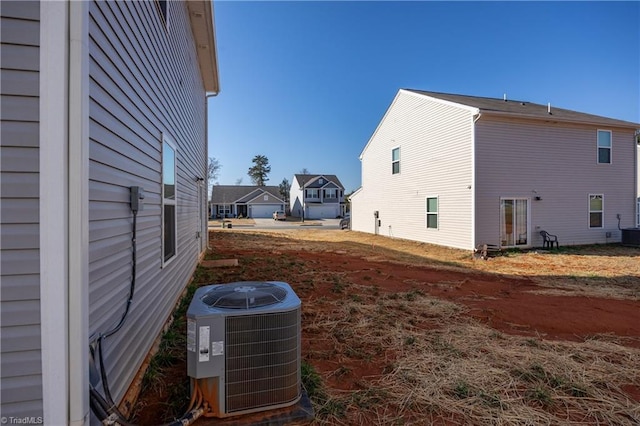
406, 357
598, 270
442, 368
445, 368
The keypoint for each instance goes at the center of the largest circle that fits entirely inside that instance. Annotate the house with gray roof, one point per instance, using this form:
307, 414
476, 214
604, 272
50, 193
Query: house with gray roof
245, 201
316, 196
461, 171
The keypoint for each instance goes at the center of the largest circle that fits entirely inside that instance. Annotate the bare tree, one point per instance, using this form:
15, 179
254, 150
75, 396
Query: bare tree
213, 171
284, 188
239, 181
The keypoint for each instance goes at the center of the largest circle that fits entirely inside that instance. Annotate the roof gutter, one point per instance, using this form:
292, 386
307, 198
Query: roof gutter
621, 124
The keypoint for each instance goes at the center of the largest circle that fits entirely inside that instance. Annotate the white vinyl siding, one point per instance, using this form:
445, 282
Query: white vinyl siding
520, 159
435, 140
20, 333
144, 82
605, 144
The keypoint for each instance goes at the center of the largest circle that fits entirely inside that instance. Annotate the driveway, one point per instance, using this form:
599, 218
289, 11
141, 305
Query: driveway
288, 224
274, 225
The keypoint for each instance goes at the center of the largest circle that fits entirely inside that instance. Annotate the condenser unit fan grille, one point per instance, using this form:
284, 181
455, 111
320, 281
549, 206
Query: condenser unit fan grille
244, 295
262, 360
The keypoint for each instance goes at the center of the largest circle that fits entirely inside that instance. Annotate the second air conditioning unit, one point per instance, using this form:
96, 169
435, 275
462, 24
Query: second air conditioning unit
243, 346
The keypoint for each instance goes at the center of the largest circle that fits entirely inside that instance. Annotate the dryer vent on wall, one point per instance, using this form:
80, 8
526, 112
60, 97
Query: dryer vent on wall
243, 346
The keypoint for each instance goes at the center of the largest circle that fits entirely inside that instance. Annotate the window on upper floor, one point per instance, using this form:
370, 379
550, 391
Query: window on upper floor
169, 200
331, 193
596, 210
312, 193
432, 212
395, 161
604, 146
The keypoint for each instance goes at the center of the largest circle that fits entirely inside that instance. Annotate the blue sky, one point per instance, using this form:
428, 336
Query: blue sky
306, 83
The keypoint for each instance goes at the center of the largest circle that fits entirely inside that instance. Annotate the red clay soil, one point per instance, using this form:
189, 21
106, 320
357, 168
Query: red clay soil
504, 303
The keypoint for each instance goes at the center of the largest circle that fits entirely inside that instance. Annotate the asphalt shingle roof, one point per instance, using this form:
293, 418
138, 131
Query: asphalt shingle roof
310, 177
229, 194
525, 109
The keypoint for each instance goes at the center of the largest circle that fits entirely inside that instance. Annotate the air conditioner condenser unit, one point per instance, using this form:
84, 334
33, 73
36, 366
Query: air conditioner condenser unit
243, 346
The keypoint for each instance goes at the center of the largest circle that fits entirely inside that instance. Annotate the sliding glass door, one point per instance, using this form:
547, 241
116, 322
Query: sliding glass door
514, 222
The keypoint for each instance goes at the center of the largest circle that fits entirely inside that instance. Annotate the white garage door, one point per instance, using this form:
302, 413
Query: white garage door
323, 211
263, 210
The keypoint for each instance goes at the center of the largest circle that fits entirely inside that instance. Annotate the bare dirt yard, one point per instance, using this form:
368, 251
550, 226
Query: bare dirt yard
398, 332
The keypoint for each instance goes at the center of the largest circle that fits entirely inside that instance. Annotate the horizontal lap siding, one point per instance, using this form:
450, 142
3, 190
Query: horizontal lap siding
559, 163
144, 81
20, 359
435, 160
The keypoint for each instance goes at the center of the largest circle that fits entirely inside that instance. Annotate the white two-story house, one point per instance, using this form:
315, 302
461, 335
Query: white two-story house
461, 171
316, 196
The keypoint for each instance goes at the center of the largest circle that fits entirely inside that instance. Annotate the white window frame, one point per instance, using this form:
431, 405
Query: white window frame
169, 202
610, 147
528, 221
427, 212
595, 211
312, 194
393, 162
331, 193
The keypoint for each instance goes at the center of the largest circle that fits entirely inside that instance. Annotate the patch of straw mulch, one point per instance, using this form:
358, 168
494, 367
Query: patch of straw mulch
445, 369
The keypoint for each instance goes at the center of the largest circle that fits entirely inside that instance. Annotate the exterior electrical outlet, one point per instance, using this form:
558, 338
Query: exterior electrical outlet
244, 344
137, 195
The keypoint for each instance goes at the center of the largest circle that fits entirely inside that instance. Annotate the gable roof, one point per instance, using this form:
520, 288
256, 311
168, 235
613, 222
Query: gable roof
310, 180
525, 109
230, 194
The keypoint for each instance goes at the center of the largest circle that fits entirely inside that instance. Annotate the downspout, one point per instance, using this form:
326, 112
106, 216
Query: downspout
78, 181
78, 212
473, 178
206, 150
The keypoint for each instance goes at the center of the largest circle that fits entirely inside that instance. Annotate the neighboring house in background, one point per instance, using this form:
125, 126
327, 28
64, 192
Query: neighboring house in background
461, 171
97, 97
245, 201
323, 196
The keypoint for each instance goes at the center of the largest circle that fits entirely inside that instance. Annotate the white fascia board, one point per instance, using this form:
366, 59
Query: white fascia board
373, 135
53, 181
404, 92
356, 192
